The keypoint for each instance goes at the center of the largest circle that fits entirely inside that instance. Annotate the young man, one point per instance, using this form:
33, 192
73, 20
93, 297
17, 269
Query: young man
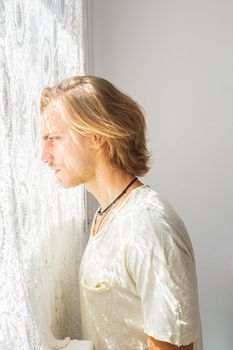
137, 278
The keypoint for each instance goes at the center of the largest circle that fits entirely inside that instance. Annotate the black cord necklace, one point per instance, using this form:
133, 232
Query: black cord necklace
100, 212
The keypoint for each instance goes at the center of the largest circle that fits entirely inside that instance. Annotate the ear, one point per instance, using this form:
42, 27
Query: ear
99, 140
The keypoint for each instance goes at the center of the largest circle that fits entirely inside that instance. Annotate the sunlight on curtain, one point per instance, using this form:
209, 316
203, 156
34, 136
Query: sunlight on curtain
41, 225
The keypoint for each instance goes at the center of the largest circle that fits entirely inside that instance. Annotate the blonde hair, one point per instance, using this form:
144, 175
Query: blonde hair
95, 106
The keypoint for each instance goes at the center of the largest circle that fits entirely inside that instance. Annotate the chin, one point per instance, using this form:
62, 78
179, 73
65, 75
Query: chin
70, 184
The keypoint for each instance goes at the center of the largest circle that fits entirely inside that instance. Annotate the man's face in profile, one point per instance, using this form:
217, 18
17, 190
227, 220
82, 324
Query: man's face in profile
67, 152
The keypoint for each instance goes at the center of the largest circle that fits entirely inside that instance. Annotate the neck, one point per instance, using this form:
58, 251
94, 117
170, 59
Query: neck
108, 183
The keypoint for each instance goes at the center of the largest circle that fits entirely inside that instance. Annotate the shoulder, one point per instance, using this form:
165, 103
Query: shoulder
147, 203
153, 219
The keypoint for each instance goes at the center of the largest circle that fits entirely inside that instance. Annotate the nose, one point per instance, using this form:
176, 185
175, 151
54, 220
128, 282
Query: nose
46, 155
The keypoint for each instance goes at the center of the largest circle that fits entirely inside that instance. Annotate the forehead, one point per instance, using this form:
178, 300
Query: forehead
52, 119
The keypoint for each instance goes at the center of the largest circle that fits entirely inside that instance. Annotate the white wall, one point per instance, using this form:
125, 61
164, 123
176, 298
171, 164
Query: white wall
176, 59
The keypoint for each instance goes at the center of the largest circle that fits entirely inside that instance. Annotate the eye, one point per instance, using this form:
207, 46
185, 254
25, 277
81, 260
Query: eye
53, 138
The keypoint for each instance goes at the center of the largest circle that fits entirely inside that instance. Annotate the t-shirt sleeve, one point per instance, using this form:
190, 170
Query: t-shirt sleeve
161, 263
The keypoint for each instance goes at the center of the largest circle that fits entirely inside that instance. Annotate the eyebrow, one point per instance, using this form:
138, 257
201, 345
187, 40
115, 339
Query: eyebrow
45, 137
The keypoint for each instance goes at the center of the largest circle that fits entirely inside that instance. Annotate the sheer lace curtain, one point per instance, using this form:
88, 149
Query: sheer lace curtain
41, 226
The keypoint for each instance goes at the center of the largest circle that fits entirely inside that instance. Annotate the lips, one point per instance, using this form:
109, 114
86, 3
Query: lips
56, 171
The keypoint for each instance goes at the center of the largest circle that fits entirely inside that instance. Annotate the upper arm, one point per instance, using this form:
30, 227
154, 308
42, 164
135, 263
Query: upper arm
162, 266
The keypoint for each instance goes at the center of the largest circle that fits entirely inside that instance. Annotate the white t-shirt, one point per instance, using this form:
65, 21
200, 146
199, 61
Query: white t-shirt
138, 278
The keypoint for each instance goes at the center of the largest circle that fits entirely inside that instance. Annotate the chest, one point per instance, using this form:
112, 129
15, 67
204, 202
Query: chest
104, 261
